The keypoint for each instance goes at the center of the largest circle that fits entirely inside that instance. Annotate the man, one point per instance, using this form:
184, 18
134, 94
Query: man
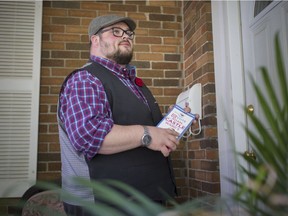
107, 119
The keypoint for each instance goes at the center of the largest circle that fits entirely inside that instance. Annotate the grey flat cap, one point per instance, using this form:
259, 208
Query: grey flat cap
103, 21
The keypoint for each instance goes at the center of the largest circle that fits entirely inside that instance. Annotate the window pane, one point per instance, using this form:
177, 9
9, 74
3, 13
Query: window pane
260, 6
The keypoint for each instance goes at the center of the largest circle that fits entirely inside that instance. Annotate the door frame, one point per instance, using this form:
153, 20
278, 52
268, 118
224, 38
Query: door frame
230, 91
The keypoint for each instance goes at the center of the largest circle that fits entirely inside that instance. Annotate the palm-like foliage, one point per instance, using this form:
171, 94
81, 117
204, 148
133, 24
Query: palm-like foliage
266, 191
113, 202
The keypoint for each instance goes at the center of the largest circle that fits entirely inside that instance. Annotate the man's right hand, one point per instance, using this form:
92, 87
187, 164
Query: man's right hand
164, 140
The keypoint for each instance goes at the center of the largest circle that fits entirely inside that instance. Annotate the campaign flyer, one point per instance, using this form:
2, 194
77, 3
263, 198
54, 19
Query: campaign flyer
178, 120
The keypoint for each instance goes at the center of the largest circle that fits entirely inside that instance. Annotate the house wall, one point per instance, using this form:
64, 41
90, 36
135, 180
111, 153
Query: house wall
173, 50
198, 67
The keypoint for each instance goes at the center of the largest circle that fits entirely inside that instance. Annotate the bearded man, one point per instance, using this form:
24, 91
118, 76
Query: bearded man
107, 121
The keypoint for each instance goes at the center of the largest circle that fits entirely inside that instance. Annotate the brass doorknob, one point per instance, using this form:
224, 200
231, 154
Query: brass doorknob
250, 108
250, 154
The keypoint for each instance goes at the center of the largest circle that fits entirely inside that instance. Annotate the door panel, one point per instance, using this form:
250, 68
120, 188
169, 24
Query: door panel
258, 46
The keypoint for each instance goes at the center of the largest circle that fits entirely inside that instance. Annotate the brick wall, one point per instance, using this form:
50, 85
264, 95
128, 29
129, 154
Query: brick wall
202, 150
173, 50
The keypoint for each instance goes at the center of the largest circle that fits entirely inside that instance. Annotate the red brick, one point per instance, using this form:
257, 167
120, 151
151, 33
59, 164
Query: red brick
150, 9
121, 7
89, 5
164, 49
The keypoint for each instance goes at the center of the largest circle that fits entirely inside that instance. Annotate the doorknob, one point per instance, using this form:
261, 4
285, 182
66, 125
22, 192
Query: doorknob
250, 154
250, 109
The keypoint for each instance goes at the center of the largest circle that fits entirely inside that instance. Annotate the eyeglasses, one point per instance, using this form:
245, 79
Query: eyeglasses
119, 32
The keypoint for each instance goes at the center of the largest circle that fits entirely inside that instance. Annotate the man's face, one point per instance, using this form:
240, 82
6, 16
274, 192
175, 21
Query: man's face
118, 49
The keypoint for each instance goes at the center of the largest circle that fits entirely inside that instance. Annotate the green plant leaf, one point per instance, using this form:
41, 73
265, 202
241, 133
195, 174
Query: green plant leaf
109, 192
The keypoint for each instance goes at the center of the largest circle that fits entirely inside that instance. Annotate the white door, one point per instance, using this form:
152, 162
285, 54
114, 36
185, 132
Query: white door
261, 20
241, 43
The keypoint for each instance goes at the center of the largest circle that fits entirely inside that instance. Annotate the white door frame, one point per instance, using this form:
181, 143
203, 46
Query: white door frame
230, 97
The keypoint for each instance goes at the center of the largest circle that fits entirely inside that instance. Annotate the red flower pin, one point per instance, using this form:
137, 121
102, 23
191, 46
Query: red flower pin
139, 82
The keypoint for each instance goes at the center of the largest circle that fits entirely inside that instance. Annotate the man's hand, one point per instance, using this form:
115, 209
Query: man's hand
187, 109
164, 140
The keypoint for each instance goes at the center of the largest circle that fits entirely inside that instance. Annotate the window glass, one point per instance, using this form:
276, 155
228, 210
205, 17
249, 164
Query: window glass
260, 6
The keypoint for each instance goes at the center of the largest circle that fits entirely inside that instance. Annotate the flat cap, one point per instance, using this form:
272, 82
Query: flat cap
103, 21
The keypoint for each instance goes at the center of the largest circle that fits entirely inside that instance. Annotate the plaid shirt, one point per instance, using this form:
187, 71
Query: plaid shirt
85, 109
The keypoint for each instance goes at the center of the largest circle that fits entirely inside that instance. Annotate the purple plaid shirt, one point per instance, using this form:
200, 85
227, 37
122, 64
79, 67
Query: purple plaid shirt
85, 110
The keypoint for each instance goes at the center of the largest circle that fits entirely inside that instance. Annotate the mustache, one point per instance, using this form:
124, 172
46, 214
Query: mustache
125, 41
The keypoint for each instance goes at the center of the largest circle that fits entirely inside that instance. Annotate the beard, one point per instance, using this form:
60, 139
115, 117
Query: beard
118, 56
121, 58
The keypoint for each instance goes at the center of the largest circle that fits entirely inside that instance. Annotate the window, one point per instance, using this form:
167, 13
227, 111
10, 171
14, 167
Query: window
260, 6
20, 48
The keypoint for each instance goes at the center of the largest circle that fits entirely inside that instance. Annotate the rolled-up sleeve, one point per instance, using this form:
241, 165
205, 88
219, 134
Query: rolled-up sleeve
85, 112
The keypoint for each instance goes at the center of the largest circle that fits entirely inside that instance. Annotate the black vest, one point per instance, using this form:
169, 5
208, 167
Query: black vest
146, 170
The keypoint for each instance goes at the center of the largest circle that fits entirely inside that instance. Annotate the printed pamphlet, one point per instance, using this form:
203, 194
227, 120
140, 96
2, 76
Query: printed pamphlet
178, 120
